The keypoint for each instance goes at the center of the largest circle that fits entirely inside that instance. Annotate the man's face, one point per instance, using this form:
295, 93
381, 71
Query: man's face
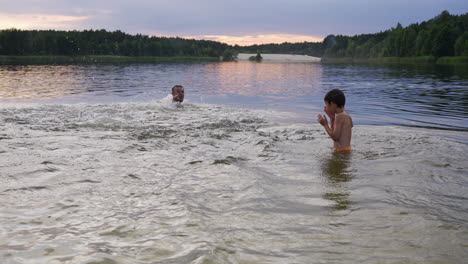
178, 94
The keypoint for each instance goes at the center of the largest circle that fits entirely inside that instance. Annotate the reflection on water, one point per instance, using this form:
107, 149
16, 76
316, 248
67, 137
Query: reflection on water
337, 174
37, 82
429, 96
267, 80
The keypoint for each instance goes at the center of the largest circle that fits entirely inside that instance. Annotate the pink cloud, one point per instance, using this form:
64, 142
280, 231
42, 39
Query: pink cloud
259, 39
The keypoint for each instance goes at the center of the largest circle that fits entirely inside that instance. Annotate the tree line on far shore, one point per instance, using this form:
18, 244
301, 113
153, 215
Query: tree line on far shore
444, 35
101, 42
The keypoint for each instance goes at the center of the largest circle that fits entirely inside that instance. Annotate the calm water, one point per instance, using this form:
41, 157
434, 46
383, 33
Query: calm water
97, 166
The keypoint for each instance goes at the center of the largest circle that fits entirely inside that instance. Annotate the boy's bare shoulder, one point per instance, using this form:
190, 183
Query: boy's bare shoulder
344, 118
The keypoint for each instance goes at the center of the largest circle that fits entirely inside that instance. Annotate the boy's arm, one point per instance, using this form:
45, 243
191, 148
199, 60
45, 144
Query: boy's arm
331, 116
335, 130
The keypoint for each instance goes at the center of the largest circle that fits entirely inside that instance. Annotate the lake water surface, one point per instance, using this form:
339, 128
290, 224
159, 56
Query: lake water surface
410, 95
97, 166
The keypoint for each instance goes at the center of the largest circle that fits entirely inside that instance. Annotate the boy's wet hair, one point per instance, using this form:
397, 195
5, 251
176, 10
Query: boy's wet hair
335, 96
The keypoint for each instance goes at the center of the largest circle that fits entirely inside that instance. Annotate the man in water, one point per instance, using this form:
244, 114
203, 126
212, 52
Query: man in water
178, 94
341, 122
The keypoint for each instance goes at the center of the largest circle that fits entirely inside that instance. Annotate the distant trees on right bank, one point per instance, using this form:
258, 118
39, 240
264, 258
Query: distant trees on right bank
444, 35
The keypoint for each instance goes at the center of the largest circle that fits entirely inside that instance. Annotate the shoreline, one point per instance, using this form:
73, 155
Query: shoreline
98, 59
401, 60
279, 57
455, 60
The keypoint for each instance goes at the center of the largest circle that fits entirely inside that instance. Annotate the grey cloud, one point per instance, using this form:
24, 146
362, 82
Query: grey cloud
242, 17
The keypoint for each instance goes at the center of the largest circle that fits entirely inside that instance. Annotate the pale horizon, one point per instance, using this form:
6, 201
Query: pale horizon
259, 39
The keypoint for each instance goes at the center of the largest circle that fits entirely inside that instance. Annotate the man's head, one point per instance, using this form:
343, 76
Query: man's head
178, 93
335, 96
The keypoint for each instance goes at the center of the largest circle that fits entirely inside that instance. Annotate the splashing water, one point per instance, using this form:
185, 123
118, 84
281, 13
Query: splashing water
149, 182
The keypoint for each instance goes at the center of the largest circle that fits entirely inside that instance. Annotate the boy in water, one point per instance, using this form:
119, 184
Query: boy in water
341, 122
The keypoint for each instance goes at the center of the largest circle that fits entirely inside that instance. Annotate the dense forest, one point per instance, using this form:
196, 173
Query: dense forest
444, 35
102, 42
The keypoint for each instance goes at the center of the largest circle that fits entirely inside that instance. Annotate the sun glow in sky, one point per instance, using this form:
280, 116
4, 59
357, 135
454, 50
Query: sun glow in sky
38, 21
259, 39
242, 22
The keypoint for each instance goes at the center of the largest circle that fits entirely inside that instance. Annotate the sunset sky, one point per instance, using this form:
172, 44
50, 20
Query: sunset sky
234, 22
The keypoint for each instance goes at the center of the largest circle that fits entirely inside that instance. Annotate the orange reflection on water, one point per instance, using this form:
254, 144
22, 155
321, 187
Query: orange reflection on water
29, 82
278, 80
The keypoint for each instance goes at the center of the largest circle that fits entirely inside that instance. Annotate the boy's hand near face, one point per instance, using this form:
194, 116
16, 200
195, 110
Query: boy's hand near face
322, 120
329, 114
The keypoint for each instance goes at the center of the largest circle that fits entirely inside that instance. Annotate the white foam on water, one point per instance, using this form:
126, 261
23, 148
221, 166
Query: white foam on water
152, 182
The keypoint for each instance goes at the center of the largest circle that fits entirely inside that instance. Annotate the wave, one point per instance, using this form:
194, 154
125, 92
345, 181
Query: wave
160, 182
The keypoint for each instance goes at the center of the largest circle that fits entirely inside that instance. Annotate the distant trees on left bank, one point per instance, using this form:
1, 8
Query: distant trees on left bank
101, 42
